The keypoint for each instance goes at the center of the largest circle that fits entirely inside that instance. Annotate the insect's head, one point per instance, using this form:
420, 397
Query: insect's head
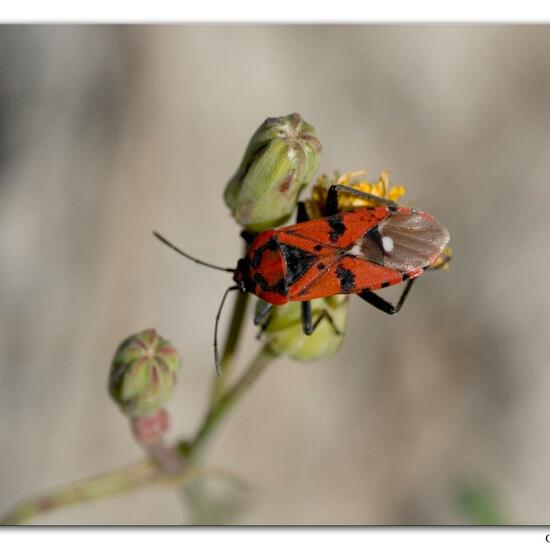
242, 276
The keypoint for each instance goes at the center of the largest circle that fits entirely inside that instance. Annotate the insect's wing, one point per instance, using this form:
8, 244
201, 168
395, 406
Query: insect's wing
364, 249
339, 231
406, 241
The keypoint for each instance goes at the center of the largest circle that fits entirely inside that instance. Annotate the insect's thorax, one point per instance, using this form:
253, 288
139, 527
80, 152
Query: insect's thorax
262, 271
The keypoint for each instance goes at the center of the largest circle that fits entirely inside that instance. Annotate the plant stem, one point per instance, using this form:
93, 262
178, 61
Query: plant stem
149, 431
168, 459
194, 493
204, 510
228, 400
116, 482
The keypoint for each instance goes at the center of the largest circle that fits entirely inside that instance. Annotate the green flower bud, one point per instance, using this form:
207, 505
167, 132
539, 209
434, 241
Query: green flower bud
279, 162
143, 373
284, 334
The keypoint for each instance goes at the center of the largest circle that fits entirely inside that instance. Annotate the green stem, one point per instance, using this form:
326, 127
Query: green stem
228, 400
116, 482
194, 493
204, 510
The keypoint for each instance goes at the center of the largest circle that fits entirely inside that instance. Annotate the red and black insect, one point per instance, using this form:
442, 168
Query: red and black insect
352, 252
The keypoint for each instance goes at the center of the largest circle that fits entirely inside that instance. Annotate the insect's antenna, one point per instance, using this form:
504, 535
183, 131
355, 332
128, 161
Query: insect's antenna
188, 256
216, 355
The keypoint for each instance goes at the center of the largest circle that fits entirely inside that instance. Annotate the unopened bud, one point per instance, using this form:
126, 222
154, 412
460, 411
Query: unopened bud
279, 162
284, 334
143, 373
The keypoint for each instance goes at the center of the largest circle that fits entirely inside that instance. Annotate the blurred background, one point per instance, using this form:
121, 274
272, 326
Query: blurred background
427, 417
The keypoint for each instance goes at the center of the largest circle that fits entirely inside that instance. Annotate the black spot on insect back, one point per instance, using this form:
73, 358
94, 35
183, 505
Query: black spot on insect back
297, 261
346, 278
337, 227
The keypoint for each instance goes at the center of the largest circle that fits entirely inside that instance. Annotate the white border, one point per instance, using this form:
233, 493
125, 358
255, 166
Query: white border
281, 11
272, 538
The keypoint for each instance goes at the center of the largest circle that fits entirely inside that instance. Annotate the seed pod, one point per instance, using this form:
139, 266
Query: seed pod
279, 162
143, 373
284, 334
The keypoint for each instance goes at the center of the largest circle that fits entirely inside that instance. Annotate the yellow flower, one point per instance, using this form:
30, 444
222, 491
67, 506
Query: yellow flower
443, 261
358, 180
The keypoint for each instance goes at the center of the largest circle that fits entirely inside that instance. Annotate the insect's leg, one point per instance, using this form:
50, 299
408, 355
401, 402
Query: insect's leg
301, 214
248, 236
326, 315
383, 305
307, 323
309, 326
262, 316
260, 333
262, 313
332, 197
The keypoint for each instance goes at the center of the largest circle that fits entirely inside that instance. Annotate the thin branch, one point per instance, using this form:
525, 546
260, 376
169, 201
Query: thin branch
116, 482
146, 472
201, 507
223, 404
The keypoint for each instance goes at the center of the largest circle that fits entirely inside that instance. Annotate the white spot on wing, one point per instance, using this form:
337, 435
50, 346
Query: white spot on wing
387, 244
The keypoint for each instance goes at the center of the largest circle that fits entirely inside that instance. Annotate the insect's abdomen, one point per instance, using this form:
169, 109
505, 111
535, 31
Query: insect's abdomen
267, 270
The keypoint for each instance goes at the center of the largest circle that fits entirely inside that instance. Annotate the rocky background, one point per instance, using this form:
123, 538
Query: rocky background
109, 132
